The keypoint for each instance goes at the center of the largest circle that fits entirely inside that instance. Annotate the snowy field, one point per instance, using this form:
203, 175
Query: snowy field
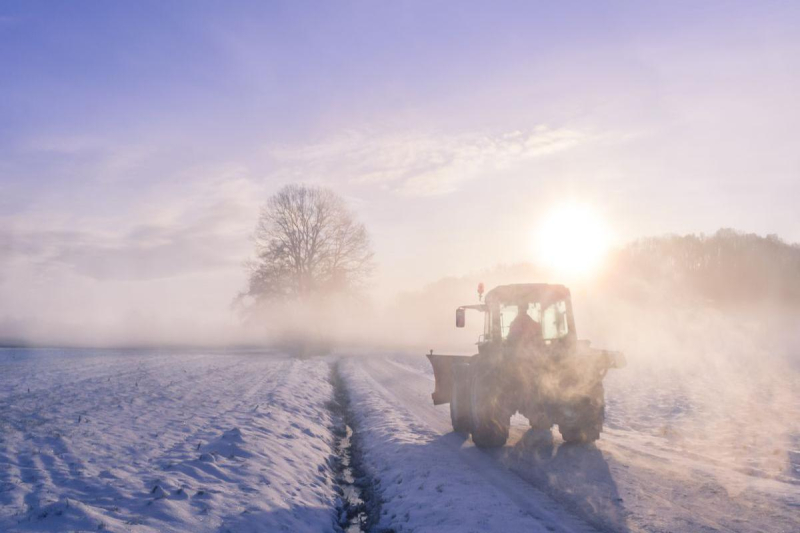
154, 442
655, 468
199, 441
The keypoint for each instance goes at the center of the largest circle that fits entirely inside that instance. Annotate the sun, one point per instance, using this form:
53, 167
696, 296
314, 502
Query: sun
573, 240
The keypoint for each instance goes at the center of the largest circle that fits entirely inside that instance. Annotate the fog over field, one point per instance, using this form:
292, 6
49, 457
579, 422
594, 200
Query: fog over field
230, 235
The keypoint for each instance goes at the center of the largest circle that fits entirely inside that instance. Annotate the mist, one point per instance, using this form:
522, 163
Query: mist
717, 376
713, 350
231, 234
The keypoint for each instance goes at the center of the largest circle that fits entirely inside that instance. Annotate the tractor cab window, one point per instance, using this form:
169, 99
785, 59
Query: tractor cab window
554, 321
509, 312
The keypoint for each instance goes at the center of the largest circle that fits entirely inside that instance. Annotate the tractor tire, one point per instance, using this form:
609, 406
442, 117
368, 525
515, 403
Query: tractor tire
460, 401
490, 423
589, 419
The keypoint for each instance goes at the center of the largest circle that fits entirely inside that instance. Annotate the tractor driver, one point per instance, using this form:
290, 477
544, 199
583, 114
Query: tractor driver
524, 333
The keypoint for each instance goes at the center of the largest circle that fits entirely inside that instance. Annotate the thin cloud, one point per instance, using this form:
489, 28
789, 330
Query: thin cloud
423, 165
183, 235
143, 253
487, 155
102, 159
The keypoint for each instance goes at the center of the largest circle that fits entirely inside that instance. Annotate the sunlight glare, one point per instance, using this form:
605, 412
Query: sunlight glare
572, 240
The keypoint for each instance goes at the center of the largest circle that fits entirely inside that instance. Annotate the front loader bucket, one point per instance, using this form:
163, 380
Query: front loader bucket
443, 375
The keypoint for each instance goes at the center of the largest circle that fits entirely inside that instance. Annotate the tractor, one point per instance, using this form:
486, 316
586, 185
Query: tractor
529, 361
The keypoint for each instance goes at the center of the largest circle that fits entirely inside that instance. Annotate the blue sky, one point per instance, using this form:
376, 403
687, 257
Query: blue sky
137, 139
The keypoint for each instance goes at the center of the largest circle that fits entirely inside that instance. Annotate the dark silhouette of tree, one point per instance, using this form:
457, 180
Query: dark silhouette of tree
308, 245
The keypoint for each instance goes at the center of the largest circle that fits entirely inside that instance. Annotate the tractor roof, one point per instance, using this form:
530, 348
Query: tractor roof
526, 292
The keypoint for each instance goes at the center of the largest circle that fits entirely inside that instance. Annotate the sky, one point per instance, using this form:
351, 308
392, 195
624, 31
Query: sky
138, 139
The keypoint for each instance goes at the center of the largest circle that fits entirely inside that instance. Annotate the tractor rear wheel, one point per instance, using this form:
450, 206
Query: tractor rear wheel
490, 422
588, 423
460, 400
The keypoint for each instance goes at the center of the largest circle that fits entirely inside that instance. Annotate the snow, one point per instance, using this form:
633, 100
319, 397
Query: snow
431, 479
637, 478
168, 441
148, 441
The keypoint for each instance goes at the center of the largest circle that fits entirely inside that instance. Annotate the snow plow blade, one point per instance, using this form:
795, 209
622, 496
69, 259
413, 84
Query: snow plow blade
443, 374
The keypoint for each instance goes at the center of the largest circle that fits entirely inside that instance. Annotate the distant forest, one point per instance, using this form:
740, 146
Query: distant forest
728, 267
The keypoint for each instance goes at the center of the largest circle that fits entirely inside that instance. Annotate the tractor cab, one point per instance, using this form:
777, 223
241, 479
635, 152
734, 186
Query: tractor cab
549, 310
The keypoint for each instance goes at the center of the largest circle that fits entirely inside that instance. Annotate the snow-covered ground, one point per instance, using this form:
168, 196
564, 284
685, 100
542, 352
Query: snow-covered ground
135, 441
147, 441
429, 478
654, 468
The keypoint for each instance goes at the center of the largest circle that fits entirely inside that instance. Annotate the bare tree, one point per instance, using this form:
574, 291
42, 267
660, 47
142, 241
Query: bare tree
308, 244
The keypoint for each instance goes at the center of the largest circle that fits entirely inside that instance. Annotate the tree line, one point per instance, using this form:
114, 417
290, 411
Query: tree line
309, 246
728, 267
